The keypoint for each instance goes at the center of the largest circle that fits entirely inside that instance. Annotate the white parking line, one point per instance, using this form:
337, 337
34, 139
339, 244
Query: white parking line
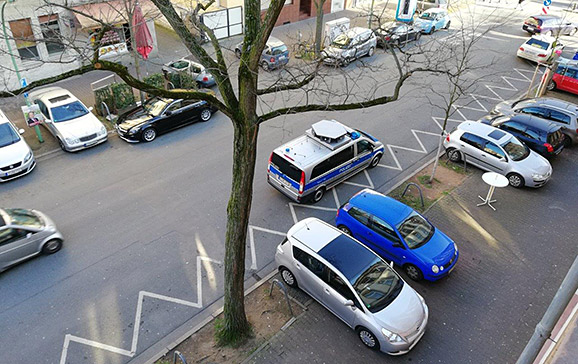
252, 242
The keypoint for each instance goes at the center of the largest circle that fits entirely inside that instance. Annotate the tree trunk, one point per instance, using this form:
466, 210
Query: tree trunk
236, 326
436, 162
319, 26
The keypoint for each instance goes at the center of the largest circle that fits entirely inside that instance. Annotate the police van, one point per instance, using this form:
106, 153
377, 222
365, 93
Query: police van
326, 155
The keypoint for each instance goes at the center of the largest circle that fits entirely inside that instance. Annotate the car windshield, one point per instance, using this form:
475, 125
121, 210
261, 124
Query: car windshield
516, 149
24, 217
7, 135
155, 106
68, 112
377, 286
342, 41
427, 16
279, 50
415, 230
538, 43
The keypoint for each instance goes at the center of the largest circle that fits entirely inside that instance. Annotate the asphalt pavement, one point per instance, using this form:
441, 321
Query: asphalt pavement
512, 262
144, 224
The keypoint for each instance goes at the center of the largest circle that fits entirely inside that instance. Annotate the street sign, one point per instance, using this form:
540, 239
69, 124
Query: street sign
23, 82
25, 95
405, 10
547, 2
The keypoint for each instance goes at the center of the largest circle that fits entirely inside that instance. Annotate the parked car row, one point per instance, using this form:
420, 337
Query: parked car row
545, 43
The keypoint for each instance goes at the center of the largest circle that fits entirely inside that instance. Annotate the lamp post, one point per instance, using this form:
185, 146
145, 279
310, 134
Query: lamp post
20, 79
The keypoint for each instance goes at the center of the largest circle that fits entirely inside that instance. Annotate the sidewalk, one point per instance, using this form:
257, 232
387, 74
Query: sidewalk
485, 312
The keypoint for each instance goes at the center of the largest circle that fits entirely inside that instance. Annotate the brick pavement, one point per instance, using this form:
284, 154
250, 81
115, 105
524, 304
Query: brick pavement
512, 262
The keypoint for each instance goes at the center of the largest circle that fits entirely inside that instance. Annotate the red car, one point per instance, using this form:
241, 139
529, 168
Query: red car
565, 78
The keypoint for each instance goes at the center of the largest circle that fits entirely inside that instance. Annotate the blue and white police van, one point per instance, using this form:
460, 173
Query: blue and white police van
329, 153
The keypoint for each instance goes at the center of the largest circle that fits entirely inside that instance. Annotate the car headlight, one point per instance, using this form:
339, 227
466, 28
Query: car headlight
435, 269
391, 336
28, 157
102, 131
456, 247
133, 131
72, 140
539, 176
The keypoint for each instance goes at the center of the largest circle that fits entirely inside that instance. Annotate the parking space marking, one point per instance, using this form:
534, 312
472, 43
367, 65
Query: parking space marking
252, 242
68, 338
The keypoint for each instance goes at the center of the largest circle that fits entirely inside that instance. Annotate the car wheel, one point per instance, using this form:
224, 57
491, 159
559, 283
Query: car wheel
238, 53
551, 86
367, 338
433, 29
453, 155
265, 65
51, 246
345, 62
516, 180
344, 229
288, 277
375, 161
61, 144
206, 115
318, 195
567, 141
417, 36
370, 52
149, 134
413, 272
399, 43
448, 25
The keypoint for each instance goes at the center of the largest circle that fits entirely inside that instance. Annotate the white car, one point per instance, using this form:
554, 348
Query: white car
16, 158
68, 120
539, 49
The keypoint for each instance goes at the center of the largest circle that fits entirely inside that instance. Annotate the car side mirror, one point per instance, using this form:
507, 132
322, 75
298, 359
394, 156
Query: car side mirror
21, 131
90, 108
349, 303
47, 121
28, 235
398, 244
168, 112
391, 263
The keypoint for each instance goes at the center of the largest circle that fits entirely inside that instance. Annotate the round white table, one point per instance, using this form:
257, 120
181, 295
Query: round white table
494, 180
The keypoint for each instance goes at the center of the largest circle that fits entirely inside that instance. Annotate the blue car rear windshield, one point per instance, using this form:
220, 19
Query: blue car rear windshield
68, 112
374, 280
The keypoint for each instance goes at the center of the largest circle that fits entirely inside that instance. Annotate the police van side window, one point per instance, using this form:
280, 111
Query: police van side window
332, 162
363, 146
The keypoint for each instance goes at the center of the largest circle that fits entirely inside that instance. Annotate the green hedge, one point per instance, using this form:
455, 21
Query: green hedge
103, 95
156, 80
123, 96
182, 80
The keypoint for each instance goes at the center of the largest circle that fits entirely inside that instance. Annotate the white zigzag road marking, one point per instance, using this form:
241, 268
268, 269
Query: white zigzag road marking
422, 150
439, 121
252, 242
294, 215
370, 185
142, 294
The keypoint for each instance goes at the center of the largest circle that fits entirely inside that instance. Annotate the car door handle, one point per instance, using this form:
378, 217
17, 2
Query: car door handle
327, 291
483, 155
297, 266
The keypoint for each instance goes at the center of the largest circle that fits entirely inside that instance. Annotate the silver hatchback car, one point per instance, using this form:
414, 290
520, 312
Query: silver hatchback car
496, 150
24, 234
354, 284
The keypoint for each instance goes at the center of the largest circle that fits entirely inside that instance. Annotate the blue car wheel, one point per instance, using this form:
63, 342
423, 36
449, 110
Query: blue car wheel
413, 272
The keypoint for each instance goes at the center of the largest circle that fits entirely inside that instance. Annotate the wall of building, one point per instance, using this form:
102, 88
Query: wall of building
291, 12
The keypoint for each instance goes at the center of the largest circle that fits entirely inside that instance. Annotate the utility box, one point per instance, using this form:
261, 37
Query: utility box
335, 27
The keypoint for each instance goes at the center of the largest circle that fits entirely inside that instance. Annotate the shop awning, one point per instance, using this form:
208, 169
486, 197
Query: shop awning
111, 12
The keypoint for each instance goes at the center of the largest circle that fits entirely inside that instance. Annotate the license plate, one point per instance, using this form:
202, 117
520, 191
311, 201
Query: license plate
282, 181
281, 58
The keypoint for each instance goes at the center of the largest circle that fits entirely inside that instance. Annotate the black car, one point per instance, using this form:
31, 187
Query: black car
540, 135
159, 115
396, 33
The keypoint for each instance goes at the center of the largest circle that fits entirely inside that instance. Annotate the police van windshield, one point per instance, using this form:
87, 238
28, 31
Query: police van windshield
285, 167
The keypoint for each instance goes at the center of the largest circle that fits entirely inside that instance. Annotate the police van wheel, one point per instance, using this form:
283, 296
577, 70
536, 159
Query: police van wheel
375, 161
318, 195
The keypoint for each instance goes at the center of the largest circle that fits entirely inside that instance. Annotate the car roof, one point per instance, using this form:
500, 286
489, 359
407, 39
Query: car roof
274, 42
546, 101
347, 255
385, 207
487, 131
535, 122
435, 10
53, 96
352, 32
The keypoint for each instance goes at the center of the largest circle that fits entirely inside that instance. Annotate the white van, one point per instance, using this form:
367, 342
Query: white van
16, 157
326, 155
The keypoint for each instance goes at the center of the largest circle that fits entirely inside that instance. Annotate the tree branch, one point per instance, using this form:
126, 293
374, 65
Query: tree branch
290, 86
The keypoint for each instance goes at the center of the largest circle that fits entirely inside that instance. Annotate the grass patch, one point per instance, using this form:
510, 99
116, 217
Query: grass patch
410, 199
456, 167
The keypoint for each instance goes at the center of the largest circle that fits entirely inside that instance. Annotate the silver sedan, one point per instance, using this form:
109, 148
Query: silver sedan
25, 234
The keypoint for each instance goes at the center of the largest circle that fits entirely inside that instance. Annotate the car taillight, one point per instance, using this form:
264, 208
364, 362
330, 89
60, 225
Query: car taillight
549, 147
387, 38
338, 212
272, 59
302, 183
448, 138
522, 49
538, 27
541, 55
205, 79
269, 165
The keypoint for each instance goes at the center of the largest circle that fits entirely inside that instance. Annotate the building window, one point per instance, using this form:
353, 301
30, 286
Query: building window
24, 38
51, 33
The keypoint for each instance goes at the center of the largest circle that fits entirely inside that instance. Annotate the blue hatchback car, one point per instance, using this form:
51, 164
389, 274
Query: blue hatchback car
397, 233
433, 19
